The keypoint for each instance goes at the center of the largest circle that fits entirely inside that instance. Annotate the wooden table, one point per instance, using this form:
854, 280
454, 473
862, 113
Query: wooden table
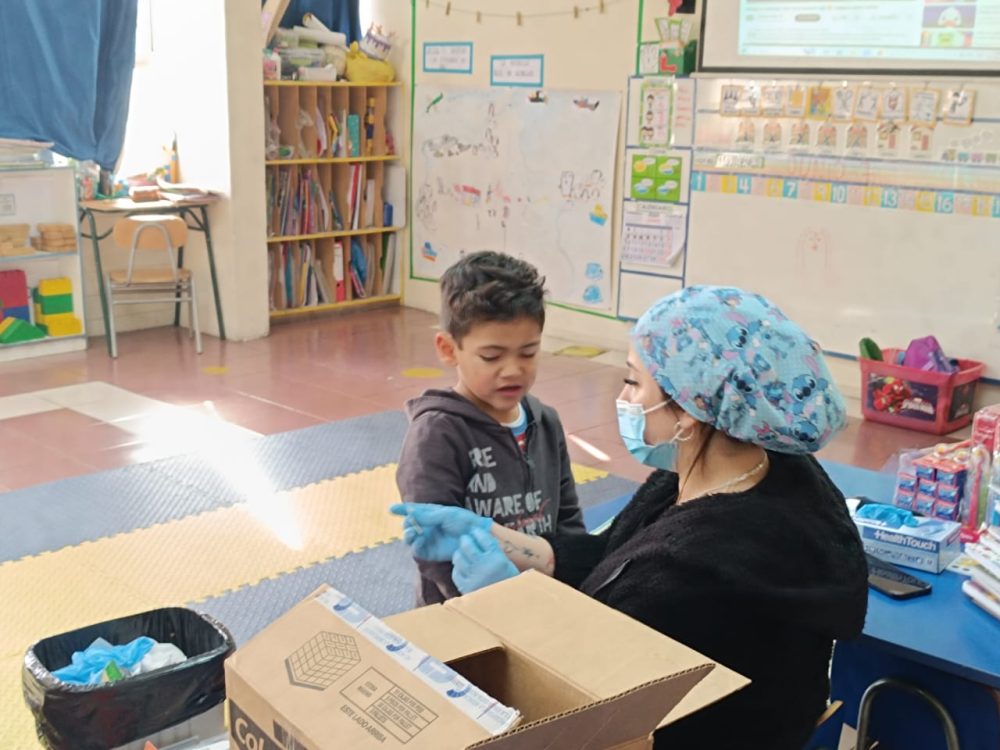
194, 211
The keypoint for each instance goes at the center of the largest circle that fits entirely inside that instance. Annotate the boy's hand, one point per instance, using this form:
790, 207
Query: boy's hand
433, 531
479, 562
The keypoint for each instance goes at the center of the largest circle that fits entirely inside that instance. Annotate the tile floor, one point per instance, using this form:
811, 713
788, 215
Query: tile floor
77, 413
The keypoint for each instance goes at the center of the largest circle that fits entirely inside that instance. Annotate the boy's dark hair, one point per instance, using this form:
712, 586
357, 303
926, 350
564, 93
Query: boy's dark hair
489, 286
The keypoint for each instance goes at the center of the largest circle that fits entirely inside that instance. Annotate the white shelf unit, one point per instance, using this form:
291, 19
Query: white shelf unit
47, 196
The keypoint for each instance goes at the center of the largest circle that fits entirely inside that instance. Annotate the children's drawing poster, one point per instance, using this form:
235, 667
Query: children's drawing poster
526, 172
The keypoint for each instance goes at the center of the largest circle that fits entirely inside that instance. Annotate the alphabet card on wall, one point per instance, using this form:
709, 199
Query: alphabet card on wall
958, 107
924, 107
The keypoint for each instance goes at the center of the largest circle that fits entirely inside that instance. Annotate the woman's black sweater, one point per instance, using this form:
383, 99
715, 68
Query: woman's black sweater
761, 581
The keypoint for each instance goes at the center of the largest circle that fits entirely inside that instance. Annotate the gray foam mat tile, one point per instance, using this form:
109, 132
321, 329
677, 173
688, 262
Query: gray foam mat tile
381, 579
300, 457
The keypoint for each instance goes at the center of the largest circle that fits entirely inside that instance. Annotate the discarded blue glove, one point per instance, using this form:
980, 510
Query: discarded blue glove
479, 562
433, 531
88, 665
890, 515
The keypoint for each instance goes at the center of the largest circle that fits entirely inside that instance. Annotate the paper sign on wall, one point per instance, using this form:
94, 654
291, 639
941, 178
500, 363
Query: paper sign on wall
657, 113
448, 57
655, 177
517, 70
683, 126
653, 234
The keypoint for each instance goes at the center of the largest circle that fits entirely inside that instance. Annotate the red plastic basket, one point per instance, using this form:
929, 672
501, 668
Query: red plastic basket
934, 402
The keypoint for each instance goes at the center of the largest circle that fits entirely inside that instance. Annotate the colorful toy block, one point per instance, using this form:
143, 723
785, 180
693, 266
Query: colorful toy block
55, 287
52, 304
13, 289
63, 324
53, 299
23, 312
16, 331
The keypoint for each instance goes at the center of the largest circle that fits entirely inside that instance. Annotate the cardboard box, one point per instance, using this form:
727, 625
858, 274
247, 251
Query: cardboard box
931, 545
573, 668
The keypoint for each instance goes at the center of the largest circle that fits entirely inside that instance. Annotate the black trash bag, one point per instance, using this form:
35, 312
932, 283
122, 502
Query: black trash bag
97, 717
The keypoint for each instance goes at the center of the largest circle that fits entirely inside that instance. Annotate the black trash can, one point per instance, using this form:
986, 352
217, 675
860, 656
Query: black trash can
97, 717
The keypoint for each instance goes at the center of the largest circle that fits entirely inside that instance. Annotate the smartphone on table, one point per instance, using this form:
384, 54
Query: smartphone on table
891, 581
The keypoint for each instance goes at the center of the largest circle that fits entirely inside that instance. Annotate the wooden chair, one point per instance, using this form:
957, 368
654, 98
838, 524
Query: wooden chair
139, 286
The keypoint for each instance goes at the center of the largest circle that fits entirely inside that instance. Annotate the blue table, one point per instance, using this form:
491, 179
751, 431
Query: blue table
941, 642
944, 630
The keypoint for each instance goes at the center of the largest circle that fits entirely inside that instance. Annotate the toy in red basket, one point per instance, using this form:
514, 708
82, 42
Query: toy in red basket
891, 396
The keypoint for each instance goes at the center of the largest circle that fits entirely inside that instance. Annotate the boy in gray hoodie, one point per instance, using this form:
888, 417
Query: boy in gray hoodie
485, 444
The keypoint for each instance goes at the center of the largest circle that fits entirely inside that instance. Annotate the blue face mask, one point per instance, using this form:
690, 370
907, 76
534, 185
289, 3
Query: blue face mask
632, 428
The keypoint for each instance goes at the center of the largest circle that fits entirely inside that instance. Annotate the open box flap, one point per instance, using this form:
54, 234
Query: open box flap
717, 684
606, 723
444, 633
599, 650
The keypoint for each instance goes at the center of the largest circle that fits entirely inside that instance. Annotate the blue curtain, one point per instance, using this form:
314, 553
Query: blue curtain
66, 74
338, 15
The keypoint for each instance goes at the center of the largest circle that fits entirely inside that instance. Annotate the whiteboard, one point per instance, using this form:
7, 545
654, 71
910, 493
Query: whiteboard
856, 245
523, 172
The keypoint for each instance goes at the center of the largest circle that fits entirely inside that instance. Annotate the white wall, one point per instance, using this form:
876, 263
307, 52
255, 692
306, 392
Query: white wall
206, 75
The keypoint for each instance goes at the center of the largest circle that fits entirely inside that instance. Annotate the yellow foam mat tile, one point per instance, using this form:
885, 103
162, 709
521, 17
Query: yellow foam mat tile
186, 560
583, 474
17, 728
195, 557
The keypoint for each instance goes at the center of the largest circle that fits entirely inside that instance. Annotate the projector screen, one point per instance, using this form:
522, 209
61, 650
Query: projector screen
906, 36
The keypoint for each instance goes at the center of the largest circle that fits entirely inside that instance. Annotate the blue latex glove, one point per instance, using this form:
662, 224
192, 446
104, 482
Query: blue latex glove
479, 562
87, 665
890, 515
433, 531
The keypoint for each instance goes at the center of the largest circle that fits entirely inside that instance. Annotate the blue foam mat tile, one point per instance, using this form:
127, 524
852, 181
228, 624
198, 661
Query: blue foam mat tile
70, 511
599, 490
381, 579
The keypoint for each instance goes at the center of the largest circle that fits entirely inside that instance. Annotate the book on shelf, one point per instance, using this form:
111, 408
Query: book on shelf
388, 261
340, 286
359, 288
354, 134
297, 279
297, 205
355, 194
323, 285
369, 203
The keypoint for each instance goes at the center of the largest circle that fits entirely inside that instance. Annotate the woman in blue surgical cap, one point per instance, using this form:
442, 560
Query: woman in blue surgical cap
738, 545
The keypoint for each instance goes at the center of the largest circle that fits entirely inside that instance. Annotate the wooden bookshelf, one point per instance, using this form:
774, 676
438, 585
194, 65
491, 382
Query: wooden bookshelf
327, 197
385, 299
329, 160
330, 84
326, 235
